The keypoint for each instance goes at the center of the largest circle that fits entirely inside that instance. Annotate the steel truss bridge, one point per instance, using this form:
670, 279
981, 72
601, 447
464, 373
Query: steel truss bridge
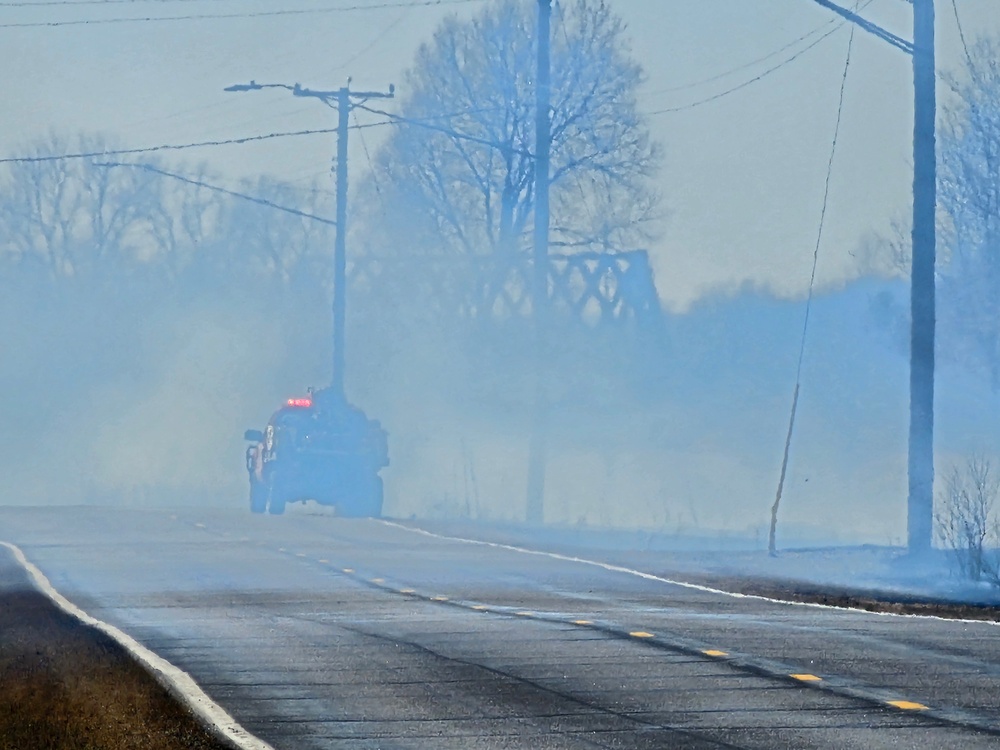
593, 288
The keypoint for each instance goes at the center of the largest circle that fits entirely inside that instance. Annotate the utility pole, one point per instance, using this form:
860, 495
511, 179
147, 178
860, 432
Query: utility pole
920, 504
920, 457
340, 246
343, 100
537, 448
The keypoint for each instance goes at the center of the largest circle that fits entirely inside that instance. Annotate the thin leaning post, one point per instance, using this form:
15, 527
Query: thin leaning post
920, 500
537, 448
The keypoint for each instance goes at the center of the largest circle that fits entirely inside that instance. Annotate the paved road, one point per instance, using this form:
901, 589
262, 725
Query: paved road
317, 632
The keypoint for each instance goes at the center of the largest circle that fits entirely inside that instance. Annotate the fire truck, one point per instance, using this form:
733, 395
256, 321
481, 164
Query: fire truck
318, 448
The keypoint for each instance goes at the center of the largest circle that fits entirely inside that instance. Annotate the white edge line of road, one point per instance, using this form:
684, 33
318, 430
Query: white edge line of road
673, 582
183, 684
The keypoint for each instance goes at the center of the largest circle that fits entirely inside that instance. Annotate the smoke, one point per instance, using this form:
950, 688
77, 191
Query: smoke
177, 429
132, 383
137, 391
142, 398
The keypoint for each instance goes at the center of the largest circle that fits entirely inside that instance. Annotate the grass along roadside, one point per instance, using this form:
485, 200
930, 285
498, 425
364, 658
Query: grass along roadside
67, 686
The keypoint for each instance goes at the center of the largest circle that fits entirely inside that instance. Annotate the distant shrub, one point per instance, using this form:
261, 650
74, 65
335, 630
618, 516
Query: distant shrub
966, 520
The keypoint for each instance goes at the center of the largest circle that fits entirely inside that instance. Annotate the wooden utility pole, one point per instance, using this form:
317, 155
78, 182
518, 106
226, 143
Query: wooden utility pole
340, 243
343, 100
920, 457
920, 503
537, 448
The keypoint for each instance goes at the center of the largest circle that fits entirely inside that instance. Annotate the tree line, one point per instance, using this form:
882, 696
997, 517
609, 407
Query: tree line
455, 179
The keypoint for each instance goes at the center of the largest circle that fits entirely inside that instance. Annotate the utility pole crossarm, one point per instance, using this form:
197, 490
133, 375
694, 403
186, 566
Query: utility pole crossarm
884, 34
328, 96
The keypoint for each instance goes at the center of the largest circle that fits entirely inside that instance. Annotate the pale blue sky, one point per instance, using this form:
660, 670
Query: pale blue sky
742, 176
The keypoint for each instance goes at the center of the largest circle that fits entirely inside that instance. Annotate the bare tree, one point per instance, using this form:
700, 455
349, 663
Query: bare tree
40, 213
75, 216
966, 520
459, 171
968, 219
80, 217
970, 150
970, 201
265, 241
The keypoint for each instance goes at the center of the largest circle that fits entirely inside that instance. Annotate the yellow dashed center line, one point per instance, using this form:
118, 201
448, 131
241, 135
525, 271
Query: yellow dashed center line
908, 705
803, 677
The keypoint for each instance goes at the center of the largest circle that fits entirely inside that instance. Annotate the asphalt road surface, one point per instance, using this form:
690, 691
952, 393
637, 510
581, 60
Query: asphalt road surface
319, 632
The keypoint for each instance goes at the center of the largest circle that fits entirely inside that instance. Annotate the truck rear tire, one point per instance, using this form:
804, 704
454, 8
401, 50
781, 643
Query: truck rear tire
258, 496
276, 498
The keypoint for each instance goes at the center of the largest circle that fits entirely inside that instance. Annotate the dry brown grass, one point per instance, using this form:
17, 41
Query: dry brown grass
67, 686
888, 602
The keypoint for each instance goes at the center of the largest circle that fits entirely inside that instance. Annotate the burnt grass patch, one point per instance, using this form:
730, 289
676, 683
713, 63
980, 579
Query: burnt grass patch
67, 686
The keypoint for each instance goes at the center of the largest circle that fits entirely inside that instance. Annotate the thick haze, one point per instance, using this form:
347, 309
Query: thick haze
140, 392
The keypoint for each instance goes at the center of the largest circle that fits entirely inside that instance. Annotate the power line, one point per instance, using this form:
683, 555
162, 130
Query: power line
753, 80
826, 199
219, 189
368, 157
740, 68
180, 147
375, 40
961, 35
428, 123
252, 14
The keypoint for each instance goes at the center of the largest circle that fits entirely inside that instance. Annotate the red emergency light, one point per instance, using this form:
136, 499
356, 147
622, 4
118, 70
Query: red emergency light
300, 402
